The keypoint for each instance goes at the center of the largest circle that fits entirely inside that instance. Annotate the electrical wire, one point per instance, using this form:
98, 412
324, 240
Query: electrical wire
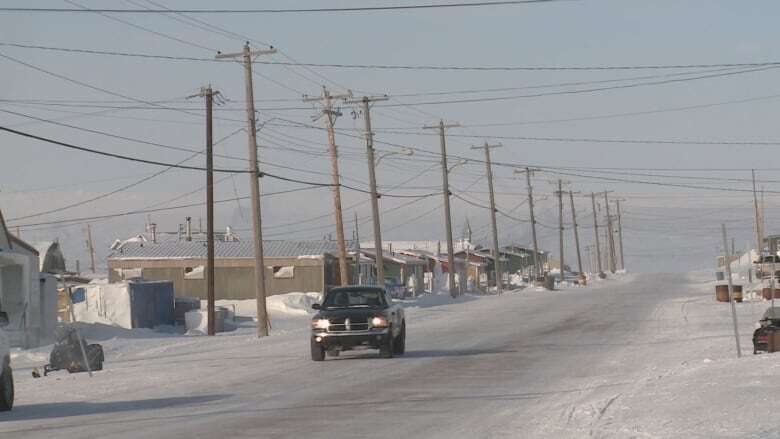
82, 220
282, 11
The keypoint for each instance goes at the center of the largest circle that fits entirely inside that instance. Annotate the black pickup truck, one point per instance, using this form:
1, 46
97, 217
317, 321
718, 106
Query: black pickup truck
357, 317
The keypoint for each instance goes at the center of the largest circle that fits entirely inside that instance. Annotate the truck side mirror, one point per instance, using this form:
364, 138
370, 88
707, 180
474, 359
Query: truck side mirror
3, 319
316, 306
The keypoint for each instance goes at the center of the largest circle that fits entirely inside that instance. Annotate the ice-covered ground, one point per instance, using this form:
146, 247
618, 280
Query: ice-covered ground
636, 356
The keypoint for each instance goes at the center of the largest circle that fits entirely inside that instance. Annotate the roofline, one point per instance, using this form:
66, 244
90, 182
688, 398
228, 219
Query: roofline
23, 244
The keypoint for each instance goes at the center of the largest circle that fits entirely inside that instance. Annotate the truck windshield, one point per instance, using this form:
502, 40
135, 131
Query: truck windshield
354, 299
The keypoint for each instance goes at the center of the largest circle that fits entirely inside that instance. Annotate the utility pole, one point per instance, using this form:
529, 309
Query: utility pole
596, 228
610, 237
537, 265
620, 235
90, 248
330, 120
18, 232
446, 193
496, 251
727, 259
759, 238
254, 182
209, 94
576, 233
366, 103
357, 251
590, 258
560, 224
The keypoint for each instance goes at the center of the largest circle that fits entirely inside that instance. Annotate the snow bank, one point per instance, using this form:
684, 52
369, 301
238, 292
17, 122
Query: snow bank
279, 305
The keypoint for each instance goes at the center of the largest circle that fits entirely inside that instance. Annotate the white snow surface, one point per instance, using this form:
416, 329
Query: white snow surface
635, 356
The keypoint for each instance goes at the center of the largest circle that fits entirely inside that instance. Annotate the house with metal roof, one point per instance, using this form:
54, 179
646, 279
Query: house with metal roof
400, 269
290, 266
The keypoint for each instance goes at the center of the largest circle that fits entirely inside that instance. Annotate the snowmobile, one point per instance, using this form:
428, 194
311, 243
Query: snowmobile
67, 354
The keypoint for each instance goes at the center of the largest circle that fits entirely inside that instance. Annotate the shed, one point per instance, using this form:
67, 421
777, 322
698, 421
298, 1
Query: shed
290, 266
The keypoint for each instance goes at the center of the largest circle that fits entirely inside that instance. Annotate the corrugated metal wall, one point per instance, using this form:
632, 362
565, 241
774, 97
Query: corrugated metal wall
234, 279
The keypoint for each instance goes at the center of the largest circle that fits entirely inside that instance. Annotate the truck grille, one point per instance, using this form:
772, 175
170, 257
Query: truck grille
342, 324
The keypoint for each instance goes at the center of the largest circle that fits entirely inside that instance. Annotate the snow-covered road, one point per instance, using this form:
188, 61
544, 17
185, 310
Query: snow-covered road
620, 359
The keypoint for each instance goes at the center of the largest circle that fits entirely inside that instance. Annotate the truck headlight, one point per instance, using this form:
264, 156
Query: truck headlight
320, 324
379, 322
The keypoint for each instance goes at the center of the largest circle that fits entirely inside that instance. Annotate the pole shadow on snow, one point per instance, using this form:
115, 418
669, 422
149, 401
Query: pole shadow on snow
26, 412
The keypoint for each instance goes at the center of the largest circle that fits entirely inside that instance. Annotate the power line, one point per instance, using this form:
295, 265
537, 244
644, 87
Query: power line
725, 66
114, 155
82, 220
96, 88
655, 183
581, 91
117, 136
195, 168
281, 11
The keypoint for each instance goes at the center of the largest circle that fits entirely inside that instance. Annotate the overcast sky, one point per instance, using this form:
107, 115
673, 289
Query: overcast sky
666, 227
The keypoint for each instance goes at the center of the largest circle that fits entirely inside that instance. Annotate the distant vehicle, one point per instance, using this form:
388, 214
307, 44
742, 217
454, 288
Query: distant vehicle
769, 323
357, 317
6, 376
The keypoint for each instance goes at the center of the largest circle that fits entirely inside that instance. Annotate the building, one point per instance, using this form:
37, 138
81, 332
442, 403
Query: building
291, 266
401, 269
31, 312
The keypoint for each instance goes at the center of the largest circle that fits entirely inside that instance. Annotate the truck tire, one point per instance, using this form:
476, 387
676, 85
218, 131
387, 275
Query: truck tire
6, 390
317, 352
399, 347
387, 349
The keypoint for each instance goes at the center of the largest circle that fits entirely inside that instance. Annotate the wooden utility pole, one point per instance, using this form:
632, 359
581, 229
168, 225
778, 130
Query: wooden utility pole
254, 183
590, 258
209, 94
537, 265
90, 249
596, 229
441, 126
18, 232
727, 260
610, 236
366, 103
576, 233
357, 251
330, 120
620, 235
496, 250
759, 238
559, 193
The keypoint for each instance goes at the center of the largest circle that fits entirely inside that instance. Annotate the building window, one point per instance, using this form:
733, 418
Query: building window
194, 272
283, 271
129, 273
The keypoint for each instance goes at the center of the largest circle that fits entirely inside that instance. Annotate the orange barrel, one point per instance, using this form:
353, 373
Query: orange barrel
766, 293
737, 293
722, 293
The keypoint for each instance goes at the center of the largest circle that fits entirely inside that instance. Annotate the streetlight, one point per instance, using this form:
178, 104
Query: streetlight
460, 162
403, 151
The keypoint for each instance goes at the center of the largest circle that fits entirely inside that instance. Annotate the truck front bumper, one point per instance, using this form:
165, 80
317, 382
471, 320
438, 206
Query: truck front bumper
346, 340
